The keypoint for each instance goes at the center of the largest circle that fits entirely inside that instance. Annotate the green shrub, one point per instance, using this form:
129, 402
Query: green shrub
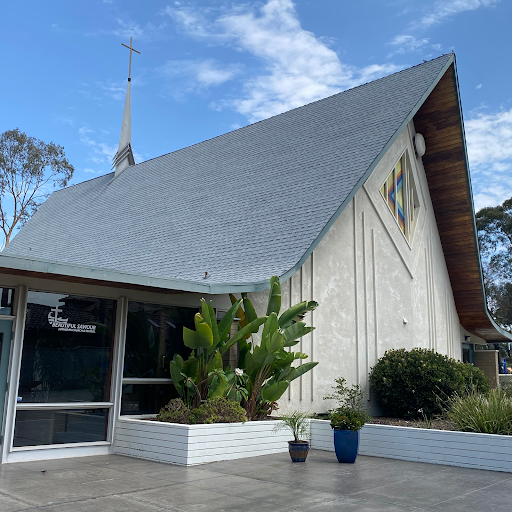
176, 411
218, 410
488, 414
345, 418
419, 382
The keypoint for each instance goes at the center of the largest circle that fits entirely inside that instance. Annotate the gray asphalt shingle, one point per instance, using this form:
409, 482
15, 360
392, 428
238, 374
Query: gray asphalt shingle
242, 206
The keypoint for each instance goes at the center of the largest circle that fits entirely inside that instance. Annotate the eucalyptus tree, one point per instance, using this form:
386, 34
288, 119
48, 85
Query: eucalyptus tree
29, 169
494, 225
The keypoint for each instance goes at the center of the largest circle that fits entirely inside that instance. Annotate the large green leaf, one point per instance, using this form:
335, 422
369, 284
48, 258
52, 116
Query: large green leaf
296, 330
215, 363
214, 326
227, 320
190, 338
176, 376
270, 327
242, 333
288, 317
302, 369
190, 367
218, 386
250, 312
204, 334
276, 342
274, 296
205, 313
275, 391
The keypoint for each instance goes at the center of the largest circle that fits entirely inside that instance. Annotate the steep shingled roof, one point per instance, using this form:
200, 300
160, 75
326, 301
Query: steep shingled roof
242, 206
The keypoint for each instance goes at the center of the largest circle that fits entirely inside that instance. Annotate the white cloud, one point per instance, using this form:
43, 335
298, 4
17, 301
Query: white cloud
128, 28
444, 9
406, 44
479, 86
298, 67
489, 138
102, 153
200, 73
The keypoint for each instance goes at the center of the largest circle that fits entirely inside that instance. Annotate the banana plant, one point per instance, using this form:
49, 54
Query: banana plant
268, 365
202, 376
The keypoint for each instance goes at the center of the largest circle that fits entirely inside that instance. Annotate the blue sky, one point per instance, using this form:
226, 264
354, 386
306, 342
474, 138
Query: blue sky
208, 67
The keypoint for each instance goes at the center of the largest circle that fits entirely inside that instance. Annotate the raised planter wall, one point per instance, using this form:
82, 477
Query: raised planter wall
187, 445
464, 449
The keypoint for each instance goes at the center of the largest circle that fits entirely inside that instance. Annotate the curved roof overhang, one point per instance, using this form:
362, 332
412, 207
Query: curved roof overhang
440, 121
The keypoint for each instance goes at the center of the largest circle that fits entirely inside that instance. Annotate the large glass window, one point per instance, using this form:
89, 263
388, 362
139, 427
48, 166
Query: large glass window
399, 192
62, 426
66, 361
154, 334
67, 349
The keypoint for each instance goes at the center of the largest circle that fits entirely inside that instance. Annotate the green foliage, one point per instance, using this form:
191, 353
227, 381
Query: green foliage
494, 225
218, 410
346, 418
269, 366
202, 376
347, 397
350, 413
417, 383
264, 370
297, 422
28, 166
176, 411
488, 414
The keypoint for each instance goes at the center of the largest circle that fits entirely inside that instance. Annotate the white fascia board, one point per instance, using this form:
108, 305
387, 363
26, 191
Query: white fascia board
8, 262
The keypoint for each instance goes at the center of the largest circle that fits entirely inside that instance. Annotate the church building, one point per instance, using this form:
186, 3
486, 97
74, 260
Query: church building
361, 201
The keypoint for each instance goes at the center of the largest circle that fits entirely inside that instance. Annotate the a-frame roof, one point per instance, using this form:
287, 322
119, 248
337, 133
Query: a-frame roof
241, 207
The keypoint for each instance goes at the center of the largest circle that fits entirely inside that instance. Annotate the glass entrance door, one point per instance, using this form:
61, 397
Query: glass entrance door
5, 349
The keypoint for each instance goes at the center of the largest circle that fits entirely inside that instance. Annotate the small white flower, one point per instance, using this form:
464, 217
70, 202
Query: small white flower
239, 372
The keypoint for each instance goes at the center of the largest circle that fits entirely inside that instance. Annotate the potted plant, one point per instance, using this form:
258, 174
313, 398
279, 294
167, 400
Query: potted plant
347, 420
298, 423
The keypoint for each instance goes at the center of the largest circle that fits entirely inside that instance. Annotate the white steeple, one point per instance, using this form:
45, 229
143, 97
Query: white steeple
124, 156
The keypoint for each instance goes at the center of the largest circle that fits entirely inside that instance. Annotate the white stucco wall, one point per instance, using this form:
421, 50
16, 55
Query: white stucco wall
376, 291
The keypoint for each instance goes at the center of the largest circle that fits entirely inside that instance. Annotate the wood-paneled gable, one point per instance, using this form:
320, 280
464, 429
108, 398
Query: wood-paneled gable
439, 120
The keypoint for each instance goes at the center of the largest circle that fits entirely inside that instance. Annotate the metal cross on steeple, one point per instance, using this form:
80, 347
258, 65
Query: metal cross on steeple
124, 156
132, 49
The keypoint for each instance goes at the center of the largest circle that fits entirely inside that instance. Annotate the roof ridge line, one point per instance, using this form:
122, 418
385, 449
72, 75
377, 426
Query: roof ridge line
296, 108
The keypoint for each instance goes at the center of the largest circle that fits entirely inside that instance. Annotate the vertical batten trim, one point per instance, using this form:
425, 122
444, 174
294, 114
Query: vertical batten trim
356, 290
433, 291
366, 312
427, 283
312, 323
301, 293
375, 318
290, 348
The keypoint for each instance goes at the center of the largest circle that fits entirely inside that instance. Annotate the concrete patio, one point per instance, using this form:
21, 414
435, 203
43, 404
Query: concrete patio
268, 483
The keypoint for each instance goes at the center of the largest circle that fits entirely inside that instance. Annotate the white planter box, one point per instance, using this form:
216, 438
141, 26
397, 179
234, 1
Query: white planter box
187, 445
464, 449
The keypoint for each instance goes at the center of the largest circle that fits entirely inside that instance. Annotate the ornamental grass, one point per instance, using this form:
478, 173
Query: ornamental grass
489, 413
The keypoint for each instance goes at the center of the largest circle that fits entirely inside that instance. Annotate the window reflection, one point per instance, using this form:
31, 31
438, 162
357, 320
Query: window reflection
154, 334
146, 398
66, 349
35, 428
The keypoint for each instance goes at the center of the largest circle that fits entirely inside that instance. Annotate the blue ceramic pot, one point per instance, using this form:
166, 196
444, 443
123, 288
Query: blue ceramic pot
346, 445
298, 451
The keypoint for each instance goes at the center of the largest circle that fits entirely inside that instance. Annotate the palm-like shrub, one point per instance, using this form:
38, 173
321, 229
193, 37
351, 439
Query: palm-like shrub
297, 422
488, 414
418, 383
